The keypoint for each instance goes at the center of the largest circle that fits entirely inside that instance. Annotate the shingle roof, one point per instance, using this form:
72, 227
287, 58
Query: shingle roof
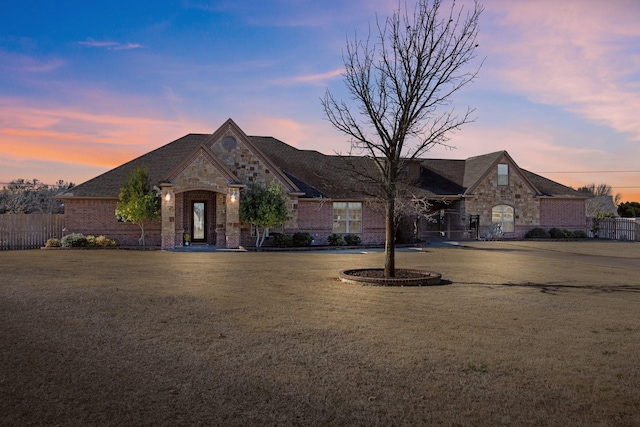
548, 187
442, 177
315, 174
160, 162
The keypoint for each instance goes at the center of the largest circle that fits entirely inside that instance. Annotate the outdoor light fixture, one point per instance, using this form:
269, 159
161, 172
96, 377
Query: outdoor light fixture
233, 194
167, 197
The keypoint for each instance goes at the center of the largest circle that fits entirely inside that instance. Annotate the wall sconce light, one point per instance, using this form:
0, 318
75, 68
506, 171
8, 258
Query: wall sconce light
167, 197
233, 194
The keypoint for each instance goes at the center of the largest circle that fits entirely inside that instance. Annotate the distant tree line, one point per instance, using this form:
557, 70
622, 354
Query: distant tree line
625, 210
23, 196
629, 209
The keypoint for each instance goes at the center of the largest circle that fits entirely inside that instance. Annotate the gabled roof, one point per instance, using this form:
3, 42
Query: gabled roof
310, 172
160, 162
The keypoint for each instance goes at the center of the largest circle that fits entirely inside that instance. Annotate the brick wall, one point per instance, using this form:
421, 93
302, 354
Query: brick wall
563, 213
95, 217
316, 217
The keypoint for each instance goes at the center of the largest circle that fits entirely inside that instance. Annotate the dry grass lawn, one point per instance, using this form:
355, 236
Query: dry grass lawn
524, 333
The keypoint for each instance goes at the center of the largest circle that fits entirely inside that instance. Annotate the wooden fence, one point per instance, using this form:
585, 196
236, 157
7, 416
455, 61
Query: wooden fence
620, 229
29, 231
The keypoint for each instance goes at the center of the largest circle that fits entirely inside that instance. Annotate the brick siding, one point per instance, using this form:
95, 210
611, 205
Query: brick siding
563, 213
96, 217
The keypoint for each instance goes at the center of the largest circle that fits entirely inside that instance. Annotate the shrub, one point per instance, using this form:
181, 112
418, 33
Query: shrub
53, 243
579, 234
556, 233
91, 241
335, 240
74, 240
103, 242
302, 239
537, 233
352, 240
282, 240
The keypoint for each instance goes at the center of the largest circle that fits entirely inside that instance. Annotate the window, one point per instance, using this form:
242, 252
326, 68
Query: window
503, 174
347, 217
502, 215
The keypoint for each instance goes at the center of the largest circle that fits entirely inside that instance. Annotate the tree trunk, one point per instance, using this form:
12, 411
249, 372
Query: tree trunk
258, 242
141, 239
390, 240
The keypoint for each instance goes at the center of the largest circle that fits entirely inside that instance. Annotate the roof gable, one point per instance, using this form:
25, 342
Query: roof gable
478, 168
237, 152
201, 171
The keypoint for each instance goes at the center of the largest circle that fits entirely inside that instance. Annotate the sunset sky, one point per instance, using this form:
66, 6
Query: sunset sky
86, 87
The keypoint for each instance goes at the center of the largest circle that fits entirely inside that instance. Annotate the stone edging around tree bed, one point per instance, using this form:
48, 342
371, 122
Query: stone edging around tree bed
416, 277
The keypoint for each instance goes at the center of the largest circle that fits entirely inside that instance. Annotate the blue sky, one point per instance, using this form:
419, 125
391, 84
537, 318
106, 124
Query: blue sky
86, 86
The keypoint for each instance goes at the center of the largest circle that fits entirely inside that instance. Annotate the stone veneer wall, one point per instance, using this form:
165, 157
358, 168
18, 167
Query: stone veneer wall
516, 194
95, 217
239, 159
200, 174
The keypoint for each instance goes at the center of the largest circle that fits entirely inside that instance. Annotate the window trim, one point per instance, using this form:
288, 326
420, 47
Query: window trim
348, 220
503, 208
503, 178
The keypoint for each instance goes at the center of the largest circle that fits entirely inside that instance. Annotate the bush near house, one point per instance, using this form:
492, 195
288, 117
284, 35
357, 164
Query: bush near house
74, 240
554, 233
53, 243
352, 240
336, 240
78, 240
281, 240
301, 239
537, 233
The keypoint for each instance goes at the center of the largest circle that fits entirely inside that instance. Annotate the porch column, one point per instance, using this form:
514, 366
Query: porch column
233, 216
168, 208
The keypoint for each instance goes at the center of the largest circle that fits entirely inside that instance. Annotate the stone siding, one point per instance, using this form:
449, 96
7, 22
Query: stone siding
517, 194
247, 166
200, 174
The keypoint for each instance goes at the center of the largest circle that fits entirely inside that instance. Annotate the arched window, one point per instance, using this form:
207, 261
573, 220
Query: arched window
502, 215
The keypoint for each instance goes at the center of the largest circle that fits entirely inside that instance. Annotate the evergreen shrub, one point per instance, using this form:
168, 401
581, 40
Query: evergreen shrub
336, 240
352, 240
302, 239
537, 233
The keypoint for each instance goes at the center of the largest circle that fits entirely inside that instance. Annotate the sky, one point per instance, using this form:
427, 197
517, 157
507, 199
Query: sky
87, 86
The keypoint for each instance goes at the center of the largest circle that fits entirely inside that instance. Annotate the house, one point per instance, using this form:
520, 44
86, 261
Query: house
201, 177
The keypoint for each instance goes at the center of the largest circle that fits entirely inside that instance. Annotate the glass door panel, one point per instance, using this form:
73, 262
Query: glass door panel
198, 221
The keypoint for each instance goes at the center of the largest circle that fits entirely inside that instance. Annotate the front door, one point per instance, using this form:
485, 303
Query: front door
199, 221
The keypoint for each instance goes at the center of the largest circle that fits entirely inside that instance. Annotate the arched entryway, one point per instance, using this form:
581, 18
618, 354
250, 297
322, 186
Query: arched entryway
196, 216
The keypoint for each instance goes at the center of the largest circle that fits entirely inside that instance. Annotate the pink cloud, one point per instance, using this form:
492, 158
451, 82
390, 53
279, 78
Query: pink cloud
579, 55
79, 138
319, 78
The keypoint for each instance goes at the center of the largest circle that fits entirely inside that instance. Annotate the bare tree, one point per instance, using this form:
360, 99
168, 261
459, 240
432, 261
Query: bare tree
399, 83
593, 190
27, 197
